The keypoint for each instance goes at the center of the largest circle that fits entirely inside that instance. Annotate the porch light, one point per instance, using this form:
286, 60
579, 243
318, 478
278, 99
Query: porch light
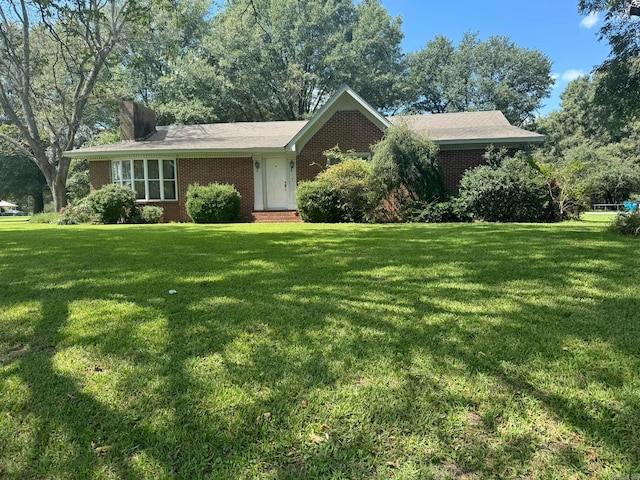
257, 164
292, 164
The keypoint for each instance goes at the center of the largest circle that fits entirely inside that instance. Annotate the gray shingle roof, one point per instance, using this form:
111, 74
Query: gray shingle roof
447, 128
467, 127
216, 136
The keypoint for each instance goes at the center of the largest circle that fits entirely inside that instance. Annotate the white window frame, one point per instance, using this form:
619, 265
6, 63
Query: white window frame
121, 165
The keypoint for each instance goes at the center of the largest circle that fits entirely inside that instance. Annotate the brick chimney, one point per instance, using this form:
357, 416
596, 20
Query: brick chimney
136, 121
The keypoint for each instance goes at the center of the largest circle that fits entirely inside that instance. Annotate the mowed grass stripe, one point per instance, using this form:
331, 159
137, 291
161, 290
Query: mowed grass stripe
319, 351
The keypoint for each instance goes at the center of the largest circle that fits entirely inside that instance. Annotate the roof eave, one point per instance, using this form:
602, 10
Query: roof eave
484, 141
170, 152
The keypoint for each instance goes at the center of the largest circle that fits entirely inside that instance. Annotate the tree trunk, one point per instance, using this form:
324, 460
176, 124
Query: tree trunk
38, 202
59, 192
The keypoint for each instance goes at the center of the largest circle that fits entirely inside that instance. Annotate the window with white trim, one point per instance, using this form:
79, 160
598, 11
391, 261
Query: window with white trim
331, 160
151, 179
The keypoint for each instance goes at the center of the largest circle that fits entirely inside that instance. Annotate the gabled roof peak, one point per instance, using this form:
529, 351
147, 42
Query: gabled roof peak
344, 95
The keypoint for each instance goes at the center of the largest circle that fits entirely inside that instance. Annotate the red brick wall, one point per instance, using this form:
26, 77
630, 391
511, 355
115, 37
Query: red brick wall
350, 130
235, 171
455, 163
99, 174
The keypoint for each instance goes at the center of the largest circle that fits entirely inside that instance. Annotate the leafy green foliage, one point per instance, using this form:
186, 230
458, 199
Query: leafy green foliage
513, 192
619, 88
357, 189
214, 203
20, 177
627, 223
345, 192
280, 59
78, 183
451, 211
112, 204
492, 75
51, 217
408, 166
318, 202
151, 214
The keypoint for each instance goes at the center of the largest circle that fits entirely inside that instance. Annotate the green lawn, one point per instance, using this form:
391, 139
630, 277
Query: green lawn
310, 351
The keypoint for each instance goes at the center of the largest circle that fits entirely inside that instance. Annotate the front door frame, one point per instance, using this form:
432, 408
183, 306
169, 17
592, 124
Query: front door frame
260, 179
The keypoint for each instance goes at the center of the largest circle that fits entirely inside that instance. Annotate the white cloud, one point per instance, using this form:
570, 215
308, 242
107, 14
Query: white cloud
590, 20
572, 74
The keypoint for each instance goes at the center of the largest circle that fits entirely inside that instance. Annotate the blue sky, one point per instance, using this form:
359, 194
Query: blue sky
551, 26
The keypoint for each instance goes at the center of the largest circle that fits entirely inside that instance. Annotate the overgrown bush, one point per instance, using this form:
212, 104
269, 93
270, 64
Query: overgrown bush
627, 223
452, 210
513, 192
345, 192
214, 203
151, 214
318, 202
112, 204
408, 165
357, 189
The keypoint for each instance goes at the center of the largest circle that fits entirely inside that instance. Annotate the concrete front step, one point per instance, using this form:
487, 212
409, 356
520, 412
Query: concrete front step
276, 217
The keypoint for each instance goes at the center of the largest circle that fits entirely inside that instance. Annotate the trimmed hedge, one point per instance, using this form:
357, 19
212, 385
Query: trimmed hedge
318, 202
213, 203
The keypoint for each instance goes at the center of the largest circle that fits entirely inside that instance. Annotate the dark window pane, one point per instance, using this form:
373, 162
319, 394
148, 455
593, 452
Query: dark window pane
138, 169
139, 189
153, 169
168, 169
170, 190
126, 170
154, 190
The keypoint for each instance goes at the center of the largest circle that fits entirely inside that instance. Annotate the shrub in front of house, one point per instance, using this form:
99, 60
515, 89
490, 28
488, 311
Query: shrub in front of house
357, 190
627, 223
449, 211
409, 167
345, 192
513, 192
112, 204
151, 214
318, 202
213, 203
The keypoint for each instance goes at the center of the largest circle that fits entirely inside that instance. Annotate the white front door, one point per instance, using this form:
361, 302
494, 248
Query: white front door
277, 184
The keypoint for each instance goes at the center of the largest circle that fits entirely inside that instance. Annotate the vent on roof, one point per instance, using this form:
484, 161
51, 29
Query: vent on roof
137, 122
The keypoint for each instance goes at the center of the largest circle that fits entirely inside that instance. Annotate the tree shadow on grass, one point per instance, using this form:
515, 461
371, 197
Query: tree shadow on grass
252, 319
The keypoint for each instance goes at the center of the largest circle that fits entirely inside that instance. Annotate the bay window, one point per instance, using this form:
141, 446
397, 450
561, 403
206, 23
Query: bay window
150, 179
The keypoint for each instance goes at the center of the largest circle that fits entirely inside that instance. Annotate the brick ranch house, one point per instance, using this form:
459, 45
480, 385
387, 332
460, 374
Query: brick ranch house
266, 160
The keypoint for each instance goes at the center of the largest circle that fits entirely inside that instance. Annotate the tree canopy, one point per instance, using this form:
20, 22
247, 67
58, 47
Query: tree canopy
495, 74
618, 89
52, 56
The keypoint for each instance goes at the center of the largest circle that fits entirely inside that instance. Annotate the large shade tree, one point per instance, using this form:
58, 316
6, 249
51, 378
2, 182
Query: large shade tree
495, 74
618, 89
52, 54
281, 60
